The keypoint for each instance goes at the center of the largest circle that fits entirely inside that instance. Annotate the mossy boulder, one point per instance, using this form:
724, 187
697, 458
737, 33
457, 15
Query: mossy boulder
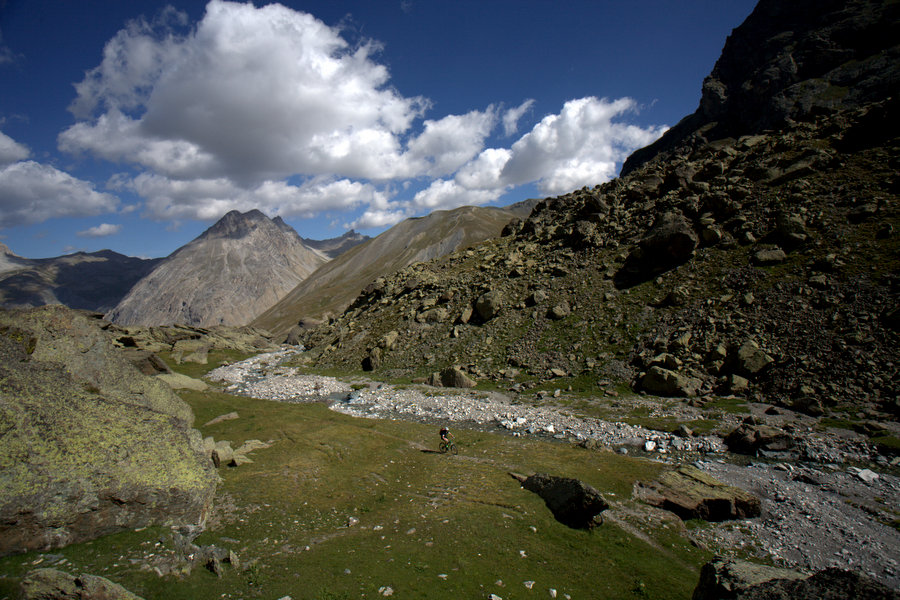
52, 584
89, 445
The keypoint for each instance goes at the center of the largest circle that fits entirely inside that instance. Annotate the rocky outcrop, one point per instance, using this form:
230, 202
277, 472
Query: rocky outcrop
692, 494
731, 579
89, 445
572, 502
53, 584
788, 62
228, 275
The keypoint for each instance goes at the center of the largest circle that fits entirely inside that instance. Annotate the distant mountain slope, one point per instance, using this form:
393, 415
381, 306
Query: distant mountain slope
94, 281
10, 261
334, 285
334, 247
228, 275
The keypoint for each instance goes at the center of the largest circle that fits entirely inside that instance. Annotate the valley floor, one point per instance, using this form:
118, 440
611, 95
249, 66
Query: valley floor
815, 514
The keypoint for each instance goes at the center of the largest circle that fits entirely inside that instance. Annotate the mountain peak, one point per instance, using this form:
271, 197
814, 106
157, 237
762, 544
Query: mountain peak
235, 224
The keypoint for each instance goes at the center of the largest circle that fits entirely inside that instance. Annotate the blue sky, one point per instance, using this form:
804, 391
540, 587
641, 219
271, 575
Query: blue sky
135, 125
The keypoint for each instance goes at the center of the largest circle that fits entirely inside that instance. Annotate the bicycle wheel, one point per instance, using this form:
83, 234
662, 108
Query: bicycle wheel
453, 448
443, 447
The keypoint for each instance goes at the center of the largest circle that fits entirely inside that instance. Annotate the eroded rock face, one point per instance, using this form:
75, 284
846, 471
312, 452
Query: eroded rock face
572, 502
791, 61
692, 494
89, 445
732, 579
723, 578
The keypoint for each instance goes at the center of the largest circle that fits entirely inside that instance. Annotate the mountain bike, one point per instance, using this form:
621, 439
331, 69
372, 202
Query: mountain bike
448, 446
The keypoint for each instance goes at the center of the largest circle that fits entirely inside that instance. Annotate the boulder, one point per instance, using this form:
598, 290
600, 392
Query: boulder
488, 305
94, 446
768, 257
222, 454
692, 494
147, 362
221, 418
52, 584
671, 241
559, 311
749, 439
750, 360
727, 578
179, 381
454, 377
572, 502
373, 360
388, 340
664, 382
730, 579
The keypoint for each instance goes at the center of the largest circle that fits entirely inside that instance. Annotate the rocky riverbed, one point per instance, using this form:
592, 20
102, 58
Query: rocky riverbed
263, 377
817, 510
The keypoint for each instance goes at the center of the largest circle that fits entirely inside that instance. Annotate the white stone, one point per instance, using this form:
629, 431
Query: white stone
867, 475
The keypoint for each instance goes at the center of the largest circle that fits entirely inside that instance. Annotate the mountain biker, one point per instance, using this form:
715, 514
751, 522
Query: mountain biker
445, 434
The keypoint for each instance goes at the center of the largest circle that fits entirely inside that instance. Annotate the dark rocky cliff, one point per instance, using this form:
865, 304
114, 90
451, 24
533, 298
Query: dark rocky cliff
791, 62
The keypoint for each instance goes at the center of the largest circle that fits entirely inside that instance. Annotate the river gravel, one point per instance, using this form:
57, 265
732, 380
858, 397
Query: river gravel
263, 377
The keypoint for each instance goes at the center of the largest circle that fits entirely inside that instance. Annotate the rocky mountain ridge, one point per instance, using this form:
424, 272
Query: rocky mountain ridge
229, 274
336, 246
94, 281
761, 264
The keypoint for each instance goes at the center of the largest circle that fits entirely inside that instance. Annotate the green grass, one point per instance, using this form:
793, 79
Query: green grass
430, 525
215, 359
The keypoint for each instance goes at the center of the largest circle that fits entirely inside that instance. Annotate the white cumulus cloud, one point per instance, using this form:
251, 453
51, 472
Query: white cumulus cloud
102, 230
11, 151
511, 117
31, 193
208, 199
579, 146
251, 93
234, 111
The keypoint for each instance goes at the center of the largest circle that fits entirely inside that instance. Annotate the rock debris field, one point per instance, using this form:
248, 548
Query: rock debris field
814, 515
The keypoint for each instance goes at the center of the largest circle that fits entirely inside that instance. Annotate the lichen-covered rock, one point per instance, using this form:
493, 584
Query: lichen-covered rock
90, 446
692, 494
727, 578
52, 584
488, 305
732, 579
